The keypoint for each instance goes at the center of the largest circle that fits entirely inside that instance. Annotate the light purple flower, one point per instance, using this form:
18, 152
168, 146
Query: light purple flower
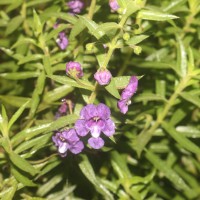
68, 140
114, 5
95, 119
103, 76
62, 41
126, 94
75, 6
74, 69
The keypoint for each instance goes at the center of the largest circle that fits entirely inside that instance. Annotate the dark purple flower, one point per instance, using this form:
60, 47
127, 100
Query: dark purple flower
126, 94
74, 69
75, 6
95, 119
103, 76
114, 5
67, 140
62, 41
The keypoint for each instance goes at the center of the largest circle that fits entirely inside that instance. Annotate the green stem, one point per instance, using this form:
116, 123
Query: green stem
92, 9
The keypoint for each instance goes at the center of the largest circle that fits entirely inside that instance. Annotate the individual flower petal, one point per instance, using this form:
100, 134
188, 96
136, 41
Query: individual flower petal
63, 108
103, 111
109, 128
63, 147
77, 148
123, 105
88, 112
96, 143
80, 128
70, 135
114, 5
103, 77
74, 69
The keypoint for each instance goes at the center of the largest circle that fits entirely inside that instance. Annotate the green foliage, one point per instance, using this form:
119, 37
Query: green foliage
155, 151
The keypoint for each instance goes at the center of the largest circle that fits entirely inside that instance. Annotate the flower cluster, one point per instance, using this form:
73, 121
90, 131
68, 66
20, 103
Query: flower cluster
126, 94
94, 120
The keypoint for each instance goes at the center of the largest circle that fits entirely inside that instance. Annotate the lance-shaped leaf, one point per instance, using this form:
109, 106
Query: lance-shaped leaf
155, 15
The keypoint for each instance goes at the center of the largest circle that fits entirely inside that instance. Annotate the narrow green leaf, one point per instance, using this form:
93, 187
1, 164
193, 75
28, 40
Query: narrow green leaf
29, 58
108, 26
112, 89
34, 143
177, 116
194, 99
136, 39
47, 64
182, 140
189, 131
167, 171
36, 97
93, 28
68, 81
120, 166
37, 23
49, 185
181, 58
77, 29
44, 128
59, 15
191, 64
19, 75
148, 97
17, 114
22, 178
155, 16
57, 93
14, 24
14, 100
24, 41
22, 164
3, 121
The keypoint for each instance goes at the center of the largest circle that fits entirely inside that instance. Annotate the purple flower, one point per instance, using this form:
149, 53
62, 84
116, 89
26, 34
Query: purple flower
62, 41
67, 140
75, 6
114, 5
74, 69
103, 77
126, 94
95, 119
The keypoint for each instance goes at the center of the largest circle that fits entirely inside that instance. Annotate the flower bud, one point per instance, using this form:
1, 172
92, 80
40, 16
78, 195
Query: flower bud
89, 46
75, 6
113, 5
126, 36
137, 50
103, 76
74, 69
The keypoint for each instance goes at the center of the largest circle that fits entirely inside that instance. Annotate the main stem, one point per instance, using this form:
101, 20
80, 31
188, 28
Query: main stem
112, 47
